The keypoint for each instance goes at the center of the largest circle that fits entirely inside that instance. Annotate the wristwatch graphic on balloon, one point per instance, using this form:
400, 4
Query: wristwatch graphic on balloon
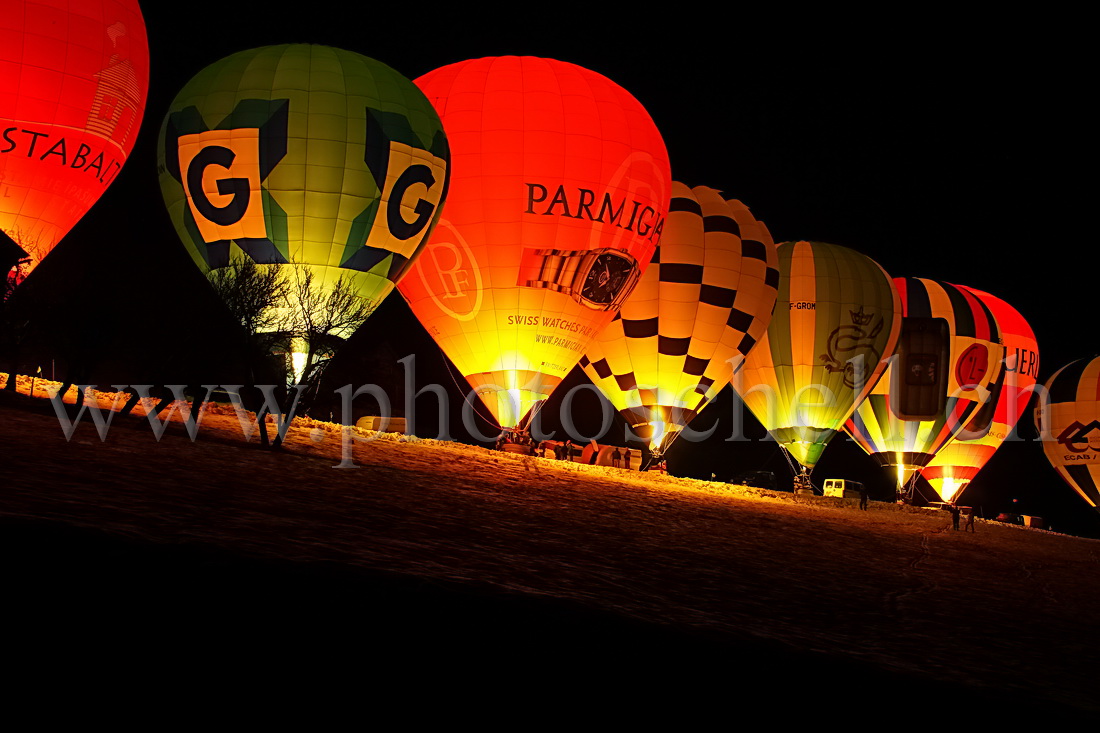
599, 279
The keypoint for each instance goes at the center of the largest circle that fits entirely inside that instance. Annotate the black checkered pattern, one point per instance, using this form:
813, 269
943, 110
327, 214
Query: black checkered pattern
693, 309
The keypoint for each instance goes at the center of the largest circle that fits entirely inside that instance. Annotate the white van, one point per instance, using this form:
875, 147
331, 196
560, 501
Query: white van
842, 488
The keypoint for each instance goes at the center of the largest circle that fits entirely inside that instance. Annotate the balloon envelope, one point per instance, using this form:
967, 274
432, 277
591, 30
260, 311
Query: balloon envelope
559, 196
974, 366
307, 155
1068, 419
73, 82
955, 465
704, 302
836, 318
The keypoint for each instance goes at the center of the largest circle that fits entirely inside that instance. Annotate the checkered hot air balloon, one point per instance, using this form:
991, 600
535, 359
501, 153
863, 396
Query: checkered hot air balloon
703, 304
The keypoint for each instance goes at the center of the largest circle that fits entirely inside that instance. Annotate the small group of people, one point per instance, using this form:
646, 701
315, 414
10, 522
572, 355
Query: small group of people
620, 459
956, 511
566, 451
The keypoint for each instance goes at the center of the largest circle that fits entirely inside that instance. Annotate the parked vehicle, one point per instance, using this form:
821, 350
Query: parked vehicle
842, 488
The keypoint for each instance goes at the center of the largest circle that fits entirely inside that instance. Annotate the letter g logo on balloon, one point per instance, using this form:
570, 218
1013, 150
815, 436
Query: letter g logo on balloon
221, 177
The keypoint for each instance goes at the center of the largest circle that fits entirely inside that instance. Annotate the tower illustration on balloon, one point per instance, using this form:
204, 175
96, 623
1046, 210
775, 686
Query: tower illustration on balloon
73, 84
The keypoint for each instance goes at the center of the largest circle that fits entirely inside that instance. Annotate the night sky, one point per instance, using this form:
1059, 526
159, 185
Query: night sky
945, 148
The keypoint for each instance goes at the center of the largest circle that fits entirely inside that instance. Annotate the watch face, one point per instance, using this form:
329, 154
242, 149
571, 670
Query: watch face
609, 273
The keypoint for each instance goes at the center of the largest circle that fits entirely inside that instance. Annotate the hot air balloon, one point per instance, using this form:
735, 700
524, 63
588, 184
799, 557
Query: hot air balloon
704, 302
1068, 420
836, 318
309, 156
559, 196
956, 464
928, 397
73, 82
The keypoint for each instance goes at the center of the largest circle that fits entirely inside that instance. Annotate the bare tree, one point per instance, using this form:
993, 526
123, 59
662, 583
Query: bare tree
255, 296
323, 318
288, 308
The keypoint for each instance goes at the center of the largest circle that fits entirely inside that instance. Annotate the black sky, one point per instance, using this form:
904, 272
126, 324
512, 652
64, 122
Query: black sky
947, 147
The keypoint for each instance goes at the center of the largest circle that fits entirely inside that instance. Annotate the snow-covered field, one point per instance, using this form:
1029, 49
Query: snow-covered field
1005, 610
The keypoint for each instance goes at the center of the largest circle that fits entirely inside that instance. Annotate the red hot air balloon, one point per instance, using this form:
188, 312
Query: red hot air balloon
73, 80
560, 186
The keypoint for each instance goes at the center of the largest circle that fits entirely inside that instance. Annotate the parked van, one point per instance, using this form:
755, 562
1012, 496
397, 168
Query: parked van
842, 488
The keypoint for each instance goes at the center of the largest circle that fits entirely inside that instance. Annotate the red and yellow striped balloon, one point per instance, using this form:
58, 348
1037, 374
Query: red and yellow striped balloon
975, 358
955, 465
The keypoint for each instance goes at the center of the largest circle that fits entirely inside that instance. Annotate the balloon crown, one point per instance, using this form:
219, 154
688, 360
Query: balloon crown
860, 318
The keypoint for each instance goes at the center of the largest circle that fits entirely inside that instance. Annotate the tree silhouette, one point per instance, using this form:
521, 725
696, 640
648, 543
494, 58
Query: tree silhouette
323, 319
285, 309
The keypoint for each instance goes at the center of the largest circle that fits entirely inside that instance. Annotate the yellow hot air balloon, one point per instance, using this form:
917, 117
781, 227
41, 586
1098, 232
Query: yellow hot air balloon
837, 316
559, 196
957, 463
896, 425
704, 302
1068, 419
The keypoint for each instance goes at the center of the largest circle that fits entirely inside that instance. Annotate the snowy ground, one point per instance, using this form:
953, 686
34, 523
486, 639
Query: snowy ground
1005, 613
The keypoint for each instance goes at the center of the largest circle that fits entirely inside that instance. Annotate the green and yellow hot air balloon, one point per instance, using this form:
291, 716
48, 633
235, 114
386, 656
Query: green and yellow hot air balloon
837, 318
305, 155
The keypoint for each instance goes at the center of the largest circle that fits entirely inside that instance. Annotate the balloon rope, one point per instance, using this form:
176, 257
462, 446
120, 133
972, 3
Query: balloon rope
475, 404
796, 468
914, 488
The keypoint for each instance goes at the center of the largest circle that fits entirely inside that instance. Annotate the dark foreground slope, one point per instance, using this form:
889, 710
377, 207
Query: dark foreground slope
446, 572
